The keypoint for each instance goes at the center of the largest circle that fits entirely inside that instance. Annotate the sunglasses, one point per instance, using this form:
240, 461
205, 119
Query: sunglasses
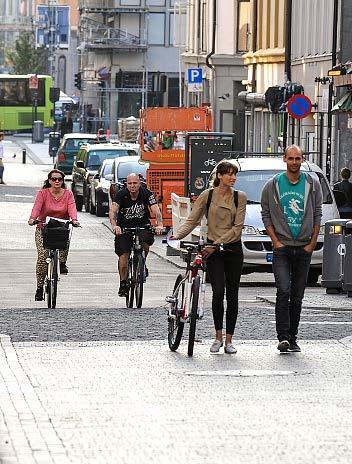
56, 179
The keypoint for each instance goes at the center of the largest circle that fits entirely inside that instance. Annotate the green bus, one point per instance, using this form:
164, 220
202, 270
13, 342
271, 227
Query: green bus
17, 102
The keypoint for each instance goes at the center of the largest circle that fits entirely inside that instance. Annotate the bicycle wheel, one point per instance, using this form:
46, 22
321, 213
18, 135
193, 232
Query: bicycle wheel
175, 325
52, 280
193, 315
139, 279
130, 293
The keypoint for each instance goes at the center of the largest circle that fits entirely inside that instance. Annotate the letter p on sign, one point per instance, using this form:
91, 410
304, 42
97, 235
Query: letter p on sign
195, 75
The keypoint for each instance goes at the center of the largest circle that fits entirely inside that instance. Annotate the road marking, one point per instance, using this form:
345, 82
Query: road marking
18, 196
322, 322
240, 373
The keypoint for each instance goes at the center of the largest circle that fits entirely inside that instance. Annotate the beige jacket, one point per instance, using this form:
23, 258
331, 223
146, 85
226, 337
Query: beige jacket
225, 222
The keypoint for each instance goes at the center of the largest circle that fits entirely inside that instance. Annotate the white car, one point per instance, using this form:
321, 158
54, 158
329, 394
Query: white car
252, 175
99, 189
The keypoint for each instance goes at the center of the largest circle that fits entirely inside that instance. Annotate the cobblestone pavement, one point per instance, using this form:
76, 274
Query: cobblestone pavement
93, 382
138, 402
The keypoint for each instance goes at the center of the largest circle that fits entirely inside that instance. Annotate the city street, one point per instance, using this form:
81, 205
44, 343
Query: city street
94, 382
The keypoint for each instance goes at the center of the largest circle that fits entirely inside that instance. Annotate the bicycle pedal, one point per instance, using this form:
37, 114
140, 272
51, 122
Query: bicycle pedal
170, 299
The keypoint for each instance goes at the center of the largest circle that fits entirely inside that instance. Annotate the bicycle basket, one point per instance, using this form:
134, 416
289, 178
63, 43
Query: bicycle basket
55, 238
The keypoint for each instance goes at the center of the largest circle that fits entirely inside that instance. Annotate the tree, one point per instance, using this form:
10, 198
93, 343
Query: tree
26, 58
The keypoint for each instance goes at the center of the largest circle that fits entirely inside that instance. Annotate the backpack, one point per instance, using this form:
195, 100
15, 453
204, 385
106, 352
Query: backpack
210, 196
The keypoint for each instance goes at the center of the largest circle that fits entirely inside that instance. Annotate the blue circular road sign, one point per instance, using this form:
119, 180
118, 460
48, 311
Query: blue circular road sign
299, 106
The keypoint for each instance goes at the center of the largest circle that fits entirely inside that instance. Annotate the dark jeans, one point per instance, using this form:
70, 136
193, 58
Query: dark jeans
290, 267
224, 270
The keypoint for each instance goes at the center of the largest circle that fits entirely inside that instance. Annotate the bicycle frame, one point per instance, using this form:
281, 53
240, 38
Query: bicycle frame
194, 268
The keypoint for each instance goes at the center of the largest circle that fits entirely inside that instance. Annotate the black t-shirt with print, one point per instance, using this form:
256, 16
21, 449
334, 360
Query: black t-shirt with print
134, 213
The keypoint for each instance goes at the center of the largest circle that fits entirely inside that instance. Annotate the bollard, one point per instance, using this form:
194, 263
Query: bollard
24, 155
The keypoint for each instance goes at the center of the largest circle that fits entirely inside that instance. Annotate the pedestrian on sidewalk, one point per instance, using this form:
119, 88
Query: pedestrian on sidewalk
345, 186
225, 213
53, 200
291, 212
1, 158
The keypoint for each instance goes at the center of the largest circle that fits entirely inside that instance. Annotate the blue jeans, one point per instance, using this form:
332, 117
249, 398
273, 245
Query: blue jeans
290, 267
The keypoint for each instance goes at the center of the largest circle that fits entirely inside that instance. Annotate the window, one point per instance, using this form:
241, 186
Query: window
156, 29
57, 18
156, 2
16, 92
130, 2
177, 29
243, 26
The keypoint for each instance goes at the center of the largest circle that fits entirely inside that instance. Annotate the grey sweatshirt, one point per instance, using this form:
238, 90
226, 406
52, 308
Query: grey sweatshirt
273, 215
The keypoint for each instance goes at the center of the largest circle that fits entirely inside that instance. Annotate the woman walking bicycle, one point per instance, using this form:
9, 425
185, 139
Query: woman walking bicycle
53, 200
225, 210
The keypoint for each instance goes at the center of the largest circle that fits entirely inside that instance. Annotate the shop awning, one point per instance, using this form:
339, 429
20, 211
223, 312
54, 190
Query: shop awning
345, 104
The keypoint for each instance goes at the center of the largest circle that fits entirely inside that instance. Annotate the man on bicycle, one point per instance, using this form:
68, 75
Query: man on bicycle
131, 207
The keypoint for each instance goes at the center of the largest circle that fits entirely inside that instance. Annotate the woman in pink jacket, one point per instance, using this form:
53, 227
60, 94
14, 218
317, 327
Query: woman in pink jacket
56, 201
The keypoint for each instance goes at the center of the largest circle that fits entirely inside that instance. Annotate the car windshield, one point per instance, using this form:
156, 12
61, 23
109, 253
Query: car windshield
124, 169
252, 183
96, 157
107, 169
74, 144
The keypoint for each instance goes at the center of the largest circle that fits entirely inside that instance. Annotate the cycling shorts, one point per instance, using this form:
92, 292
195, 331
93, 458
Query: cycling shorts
124, 242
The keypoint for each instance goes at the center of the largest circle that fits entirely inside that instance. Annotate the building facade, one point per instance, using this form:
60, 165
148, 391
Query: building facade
217, 37
127, 58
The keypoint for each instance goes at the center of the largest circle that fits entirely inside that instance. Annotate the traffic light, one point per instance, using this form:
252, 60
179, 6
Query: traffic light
78, 80
54, 94
275, 98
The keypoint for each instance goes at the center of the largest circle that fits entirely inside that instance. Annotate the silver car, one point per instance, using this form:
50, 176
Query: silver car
252, 175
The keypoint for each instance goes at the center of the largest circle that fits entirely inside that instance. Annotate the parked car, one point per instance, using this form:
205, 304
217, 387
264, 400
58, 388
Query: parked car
86, 165
68, 149
99, 191
253, 173
121, 168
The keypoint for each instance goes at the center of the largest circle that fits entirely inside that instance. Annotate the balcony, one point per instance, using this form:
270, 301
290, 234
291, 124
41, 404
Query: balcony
99, 36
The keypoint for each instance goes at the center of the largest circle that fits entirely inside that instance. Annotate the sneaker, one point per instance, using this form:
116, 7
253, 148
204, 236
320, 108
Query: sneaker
294, 347
63, 268
230, 349
39, 294
216, 345
123, 290
283, 346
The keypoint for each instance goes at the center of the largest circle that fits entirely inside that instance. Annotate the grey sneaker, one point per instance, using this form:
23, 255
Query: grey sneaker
215, 347
283, 346
230, 349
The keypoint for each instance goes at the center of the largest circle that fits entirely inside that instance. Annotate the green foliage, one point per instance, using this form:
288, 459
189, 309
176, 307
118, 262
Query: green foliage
26, 59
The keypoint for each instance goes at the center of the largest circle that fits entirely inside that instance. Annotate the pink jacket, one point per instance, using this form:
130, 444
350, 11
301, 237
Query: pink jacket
46, 205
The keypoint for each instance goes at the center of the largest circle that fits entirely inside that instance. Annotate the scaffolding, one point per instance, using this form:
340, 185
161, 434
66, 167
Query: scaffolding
100, 40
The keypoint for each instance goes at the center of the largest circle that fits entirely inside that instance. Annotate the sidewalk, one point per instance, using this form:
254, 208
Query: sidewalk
137, 402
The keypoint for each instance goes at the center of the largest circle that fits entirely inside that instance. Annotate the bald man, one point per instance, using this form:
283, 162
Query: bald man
130, 208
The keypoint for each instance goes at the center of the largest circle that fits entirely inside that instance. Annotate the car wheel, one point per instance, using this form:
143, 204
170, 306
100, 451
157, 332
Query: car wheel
100, 210
87, 200
313, 277
79, 202
92, 206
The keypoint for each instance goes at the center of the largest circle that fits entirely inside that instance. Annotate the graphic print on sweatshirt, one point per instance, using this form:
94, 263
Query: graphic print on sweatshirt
292, 197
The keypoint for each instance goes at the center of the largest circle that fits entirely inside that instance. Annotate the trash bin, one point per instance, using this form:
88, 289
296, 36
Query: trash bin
54, 142
347, 279
38, 131
334, 255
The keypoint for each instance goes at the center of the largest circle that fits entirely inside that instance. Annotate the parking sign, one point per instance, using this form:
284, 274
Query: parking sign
195, 79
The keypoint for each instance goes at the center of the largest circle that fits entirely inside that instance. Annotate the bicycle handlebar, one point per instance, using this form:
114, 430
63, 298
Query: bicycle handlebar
200, 243
136, 229
38, 221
